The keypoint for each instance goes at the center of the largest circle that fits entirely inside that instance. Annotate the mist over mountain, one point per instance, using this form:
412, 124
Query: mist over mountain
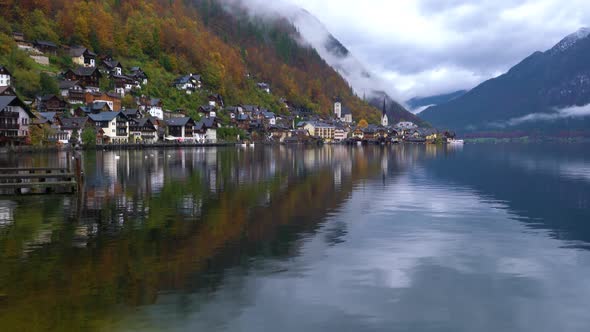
546, 92
316, 35
419, 103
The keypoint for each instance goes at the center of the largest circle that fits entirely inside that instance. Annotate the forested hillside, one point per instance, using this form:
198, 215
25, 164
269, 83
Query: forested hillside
170, 37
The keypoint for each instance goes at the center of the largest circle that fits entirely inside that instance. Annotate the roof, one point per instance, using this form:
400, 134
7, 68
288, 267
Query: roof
318, 124
346, 110
73, 123
45, 43
84, 71
4, 70
208, 122
104, 116
268, 115
79, 51
9, 101
178, 122
48, 97
98, 105
66, 85
48, 115
186, 79
207, 108
131, 111
249, 108
112, 63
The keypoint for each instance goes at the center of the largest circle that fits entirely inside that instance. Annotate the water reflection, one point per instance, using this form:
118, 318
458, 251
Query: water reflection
277, 238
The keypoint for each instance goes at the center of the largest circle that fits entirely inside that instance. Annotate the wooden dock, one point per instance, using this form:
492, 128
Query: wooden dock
41, 180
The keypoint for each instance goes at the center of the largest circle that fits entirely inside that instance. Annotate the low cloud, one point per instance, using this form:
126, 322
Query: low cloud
564, 113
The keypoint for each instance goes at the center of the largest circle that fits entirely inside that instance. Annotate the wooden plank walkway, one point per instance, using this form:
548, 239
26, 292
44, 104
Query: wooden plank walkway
41, 179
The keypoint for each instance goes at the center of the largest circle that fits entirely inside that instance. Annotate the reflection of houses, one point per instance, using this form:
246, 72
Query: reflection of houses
7, 212
114, 126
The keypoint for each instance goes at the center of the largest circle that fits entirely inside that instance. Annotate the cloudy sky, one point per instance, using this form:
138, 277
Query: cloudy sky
425, 47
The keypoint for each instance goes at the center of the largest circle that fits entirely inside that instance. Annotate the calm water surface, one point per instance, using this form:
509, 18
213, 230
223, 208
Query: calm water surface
407, 238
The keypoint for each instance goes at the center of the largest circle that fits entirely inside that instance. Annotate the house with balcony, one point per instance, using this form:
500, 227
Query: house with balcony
87, 77
142, 130
115, 126
180, 129
72, 92
320, 130
15, 118
70, 125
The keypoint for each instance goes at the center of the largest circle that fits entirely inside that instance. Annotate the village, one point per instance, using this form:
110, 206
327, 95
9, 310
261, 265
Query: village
83, 114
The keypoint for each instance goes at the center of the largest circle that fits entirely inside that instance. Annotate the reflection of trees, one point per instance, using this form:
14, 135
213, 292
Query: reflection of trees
137, 245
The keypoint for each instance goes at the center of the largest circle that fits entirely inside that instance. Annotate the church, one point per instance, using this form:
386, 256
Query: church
341, 112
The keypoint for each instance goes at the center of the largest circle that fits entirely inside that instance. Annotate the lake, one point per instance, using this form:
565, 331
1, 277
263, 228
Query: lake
401, 238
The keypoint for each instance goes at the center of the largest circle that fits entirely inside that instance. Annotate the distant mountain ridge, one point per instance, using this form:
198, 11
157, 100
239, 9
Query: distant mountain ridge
535, 95
418, 102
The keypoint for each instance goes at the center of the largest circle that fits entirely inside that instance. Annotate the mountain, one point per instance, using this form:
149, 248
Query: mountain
220, 39
417, 103
546, 92
395, 111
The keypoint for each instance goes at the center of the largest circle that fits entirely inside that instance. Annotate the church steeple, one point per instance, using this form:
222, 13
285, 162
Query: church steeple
384, 107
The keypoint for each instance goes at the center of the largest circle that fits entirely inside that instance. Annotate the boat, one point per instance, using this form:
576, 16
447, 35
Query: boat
453, 141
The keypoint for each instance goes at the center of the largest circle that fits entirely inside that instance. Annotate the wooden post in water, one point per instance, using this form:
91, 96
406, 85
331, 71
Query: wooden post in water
78, 171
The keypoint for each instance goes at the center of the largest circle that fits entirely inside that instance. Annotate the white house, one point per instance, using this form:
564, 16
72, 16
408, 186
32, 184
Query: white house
115, 126
264, 87
154, 108
5, 77
15, 118
188, 83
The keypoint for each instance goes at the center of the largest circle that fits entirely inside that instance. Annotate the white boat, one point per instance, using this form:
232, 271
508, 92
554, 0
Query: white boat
456, 141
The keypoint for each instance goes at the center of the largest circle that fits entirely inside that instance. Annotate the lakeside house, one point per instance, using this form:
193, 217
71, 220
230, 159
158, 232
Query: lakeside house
114, 126
143, 130
71, 125
180, 129
15, 118
320, 130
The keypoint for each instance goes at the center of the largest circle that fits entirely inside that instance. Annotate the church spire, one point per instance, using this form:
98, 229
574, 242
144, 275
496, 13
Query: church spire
384, 107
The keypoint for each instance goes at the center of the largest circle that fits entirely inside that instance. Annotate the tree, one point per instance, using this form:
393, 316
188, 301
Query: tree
89, 138
363, 123
40, 135
75, 137
48, 85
